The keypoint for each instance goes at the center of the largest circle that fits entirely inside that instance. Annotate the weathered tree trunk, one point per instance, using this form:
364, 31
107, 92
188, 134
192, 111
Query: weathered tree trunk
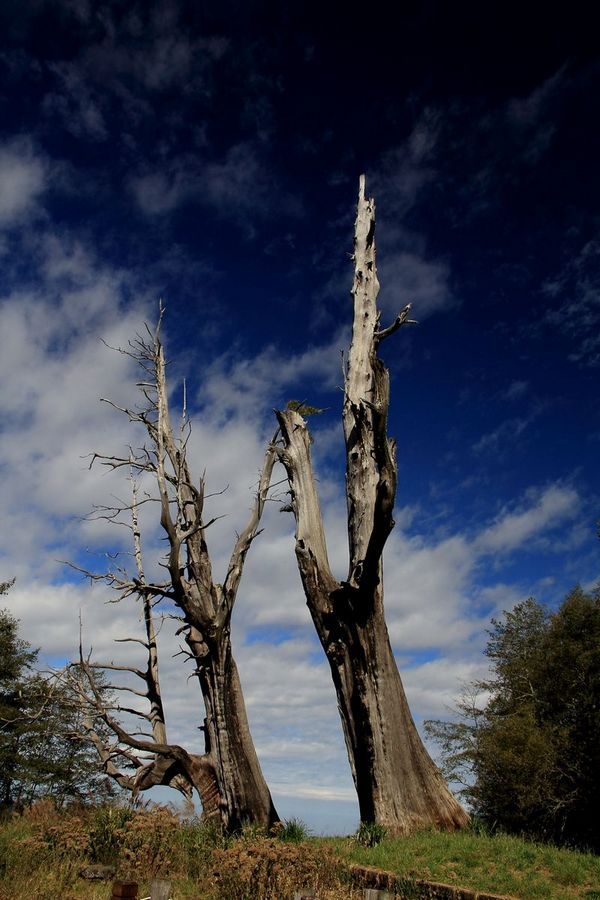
227, 776
244, 795
397, 783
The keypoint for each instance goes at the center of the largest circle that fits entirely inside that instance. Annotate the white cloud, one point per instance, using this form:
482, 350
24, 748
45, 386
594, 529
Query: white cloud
23, 177
238, 185
408, 273
577, 314
75, 103
54, 368
512, 529
516, 389
234, 386
502, 437
160, 192
433, 686
404, 171
408, 277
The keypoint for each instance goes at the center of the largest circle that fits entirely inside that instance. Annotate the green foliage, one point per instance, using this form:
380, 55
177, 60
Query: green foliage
303, 408
39, 753
19, 690
105, 831
370, 834
528, 760
293, 831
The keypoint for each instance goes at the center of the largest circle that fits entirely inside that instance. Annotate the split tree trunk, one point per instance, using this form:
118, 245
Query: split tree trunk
397, 783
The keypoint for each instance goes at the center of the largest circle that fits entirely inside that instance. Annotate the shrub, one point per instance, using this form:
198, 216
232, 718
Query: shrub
197, 839
149, 843
106, 829
271, 870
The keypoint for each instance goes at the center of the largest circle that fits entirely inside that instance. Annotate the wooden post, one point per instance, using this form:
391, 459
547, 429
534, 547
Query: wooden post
125, 890
160, 889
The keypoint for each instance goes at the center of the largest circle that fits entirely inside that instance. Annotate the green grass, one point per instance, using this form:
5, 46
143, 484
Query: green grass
498, 864
41, 855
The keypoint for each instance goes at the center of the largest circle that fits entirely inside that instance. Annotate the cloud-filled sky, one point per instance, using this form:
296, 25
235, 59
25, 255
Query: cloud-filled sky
210, 157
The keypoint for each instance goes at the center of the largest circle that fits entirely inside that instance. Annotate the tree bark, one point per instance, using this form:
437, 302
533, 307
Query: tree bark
397, 783
244, 795
227, 776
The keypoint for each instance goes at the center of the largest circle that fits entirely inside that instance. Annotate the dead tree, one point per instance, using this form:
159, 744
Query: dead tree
397, 783
137, 761
227, 775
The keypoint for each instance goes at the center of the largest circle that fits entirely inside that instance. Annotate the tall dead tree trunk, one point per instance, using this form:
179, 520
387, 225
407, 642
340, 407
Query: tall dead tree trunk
228, 772
397, 783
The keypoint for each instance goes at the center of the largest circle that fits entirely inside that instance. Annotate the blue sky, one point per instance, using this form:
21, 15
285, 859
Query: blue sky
211, 157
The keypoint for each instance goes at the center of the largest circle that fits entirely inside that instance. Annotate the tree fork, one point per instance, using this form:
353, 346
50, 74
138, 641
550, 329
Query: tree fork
227, 776
397, 783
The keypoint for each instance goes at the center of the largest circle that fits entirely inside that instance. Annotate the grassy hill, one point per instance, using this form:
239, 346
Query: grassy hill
43, 852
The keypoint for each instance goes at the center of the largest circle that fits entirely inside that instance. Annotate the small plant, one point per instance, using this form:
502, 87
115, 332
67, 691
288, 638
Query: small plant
196, 841
106, 830
150, 842
370, 834
293, 831
251, 831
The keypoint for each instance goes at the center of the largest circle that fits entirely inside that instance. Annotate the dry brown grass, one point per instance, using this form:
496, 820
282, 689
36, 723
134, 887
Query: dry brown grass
269, 869
42, 853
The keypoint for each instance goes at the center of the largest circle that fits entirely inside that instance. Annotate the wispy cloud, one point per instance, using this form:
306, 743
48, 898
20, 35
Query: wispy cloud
239, 186
23, 178
513, 529
576, 294
408, 277
243, 387
500, 439
401, 180
406, 170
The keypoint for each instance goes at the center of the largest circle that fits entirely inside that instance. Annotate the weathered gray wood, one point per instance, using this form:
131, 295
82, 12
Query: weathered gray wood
227, 775
397, 783
160, 889
374, 894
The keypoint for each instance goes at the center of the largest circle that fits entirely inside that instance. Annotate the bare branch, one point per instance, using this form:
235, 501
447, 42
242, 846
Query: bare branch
400, 320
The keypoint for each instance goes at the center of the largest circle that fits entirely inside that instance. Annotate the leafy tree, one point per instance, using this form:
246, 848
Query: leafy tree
39, 752
16, 659
529, 757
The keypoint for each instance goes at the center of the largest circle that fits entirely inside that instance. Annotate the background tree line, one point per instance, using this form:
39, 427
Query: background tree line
41, 753
526, 744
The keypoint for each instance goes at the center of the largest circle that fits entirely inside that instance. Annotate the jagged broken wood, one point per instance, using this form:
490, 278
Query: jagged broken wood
397, 783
